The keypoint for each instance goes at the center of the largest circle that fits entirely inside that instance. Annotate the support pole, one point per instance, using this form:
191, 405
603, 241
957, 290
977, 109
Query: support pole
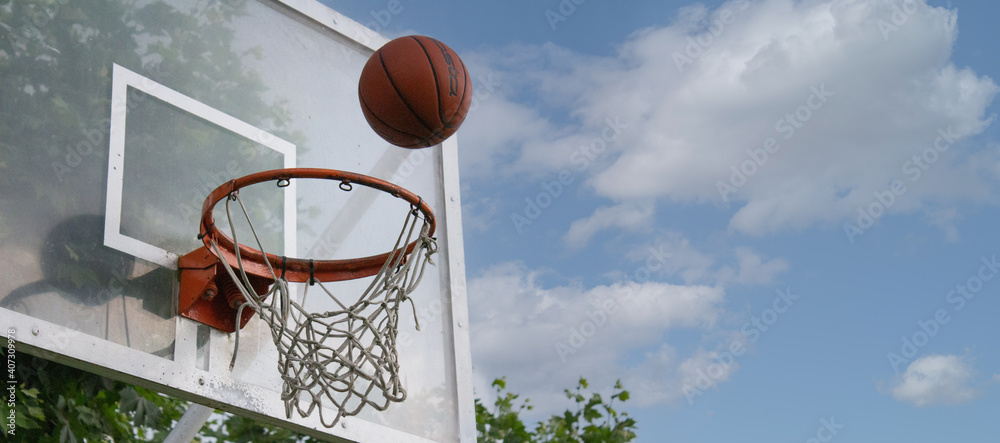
188, 426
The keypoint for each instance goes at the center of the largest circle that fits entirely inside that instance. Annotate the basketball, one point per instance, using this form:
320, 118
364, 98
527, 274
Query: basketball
415, 91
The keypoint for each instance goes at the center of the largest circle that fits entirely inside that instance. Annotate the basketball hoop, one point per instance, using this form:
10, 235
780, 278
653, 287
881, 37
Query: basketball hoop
346, 356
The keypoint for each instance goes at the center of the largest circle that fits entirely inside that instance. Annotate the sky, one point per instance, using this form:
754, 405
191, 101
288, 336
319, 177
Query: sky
772, 220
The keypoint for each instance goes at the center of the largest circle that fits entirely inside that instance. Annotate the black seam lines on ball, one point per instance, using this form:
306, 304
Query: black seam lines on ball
400, 94
383, 122
465, 90
437, 87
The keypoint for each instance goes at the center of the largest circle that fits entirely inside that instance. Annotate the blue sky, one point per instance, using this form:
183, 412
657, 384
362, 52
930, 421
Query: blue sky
714, 179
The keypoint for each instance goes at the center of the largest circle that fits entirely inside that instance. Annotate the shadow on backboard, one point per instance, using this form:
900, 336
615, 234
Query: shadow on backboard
79, 269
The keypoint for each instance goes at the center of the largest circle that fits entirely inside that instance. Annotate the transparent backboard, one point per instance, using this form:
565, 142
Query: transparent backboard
118, 118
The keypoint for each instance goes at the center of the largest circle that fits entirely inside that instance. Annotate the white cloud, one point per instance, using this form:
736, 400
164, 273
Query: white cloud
544, 338
752, 268
510, 130
627, 216
480, 214
674, 255
492, 129
688, 127
946, 219
936, 380
662, 378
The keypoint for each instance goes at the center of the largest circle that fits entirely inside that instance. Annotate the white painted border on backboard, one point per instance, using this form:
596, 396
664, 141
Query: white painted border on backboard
457, 285
337, 22
122, 79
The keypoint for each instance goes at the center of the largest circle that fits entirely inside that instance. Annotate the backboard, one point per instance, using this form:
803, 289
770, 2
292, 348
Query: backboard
119, 117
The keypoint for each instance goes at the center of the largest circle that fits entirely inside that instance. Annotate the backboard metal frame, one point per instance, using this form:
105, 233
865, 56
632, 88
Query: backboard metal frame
181, 377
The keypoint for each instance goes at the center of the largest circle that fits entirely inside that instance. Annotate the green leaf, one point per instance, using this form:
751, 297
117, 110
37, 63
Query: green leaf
36, 412
24, 422
595, 400
147, 413
591, 414
88, 416
128, 399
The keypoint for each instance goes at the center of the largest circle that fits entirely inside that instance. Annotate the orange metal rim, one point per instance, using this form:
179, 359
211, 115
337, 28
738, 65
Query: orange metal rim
297, 269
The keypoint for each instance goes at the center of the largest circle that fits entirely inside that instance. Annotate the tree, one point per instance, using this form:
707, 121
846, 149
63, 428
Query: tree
58, 403
585, 424
503, 423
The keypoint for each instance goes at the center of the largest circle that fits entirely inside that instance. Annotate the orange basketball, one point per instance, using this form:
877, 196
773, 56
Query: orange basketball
415, 91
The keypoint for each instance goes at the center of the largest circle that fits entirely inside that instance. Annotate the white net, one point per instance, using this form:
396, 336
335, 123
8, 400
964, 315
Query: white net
345, 358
